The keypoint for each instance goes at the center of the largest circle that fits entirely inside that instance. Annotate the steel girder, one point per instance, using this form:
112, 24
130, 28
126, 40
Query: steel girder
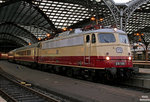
145, 31
37, 12
130, 9
114, 10
7, 36
46, 16
140, 18
24, 12
9, 42
7, 45
17, 31
67, 13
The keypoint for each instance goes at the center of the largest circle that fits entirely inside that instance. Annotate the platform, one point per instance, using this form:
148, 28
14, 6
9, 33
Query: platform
84, 91
141, 64
144, 70
2, 100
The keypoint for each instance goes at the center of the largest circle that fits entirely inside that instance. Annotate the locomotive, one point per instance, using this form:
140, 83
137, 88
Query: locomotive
92, 54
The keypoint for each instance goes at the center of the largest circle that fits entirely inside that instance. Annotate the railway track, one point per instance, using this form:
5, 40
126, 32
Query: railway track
14, 91
121, 85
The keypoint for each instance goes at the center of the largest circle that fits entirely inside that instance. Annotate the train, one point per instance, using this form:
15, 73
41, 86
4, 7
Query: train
3, 56
95, 53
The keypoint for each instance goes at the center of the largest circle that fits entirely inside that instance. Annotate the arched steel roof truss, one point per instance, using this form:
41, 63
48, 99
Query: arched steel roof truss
9, 37
24, 12
67, 13
16, 30
130, 9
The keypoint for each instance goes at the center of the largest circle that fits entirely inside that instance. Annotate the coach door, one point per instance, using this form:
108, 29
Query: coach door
87, 48
35, 60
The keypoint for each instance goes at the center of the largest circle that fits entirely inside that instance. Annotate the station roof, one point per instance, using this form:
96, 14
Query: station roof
30, 20
138, 20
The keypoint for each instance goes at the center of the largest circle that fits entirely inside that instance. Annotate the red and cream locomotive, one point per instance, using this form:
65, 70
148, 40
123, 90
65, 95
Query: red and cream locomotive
94, 53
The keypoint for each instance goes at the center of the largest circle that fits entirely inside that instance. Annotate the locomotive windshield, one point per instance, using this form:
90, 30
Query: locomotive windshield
106, 38
123, 38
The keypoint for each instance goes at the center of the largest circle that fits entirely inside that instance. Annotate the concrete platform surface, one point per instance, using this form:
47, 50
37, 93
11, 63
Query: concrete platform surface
2, 100
83, 90
144, 70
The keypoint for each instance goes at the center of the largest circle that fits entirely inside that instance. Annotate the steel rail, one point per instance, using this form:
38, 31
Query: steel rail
33, 93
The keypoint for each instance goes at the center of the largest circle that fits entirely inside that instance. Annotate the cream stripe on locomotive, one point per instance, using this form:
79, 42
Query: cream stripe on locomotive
77, 46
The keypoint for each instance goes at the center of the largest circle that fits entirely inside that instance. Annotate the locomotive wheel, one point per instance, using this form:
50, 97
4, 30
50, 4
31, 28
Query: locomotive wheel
85, 74
34, 65
51, 69
127, 74
63, 70
40, 67
69, 72
57, 69
109, 77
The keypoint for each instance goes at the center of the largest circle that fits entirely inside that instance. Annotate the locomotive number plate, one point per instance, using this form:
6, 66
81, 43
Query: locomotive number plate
120, 63
119, 50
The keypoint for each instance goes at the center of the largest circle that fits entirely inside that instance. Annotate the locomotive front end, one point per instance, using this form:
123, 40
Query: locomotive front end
114, 54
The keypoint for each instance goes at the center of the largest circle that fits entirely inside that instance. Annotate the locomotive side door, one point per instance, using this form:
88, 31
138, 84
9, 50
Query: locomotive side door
35, 54
87, 47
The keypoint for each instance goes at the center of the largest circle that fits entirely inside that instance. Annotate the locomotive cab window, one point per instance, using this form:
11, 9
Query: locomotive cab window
93, 38
87, 38
106, 38
123, 38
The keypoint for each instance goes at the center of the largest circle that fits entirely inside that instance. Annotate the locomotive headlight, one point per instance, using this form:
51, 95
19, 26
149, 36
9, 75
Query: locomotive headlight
129, 58
107, 58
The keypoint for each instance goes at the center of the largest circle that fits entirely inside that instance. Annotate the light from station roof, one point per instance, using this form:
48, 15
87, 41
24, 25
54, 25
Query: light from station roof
48, 35
98, 0
64, 29
93, 18
39, 39
137, 34
101, 19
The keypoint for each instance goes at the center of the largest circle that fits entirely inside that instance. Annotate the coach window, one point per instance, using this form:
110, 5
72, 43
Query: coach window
93, 38
28, 52
87, 38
